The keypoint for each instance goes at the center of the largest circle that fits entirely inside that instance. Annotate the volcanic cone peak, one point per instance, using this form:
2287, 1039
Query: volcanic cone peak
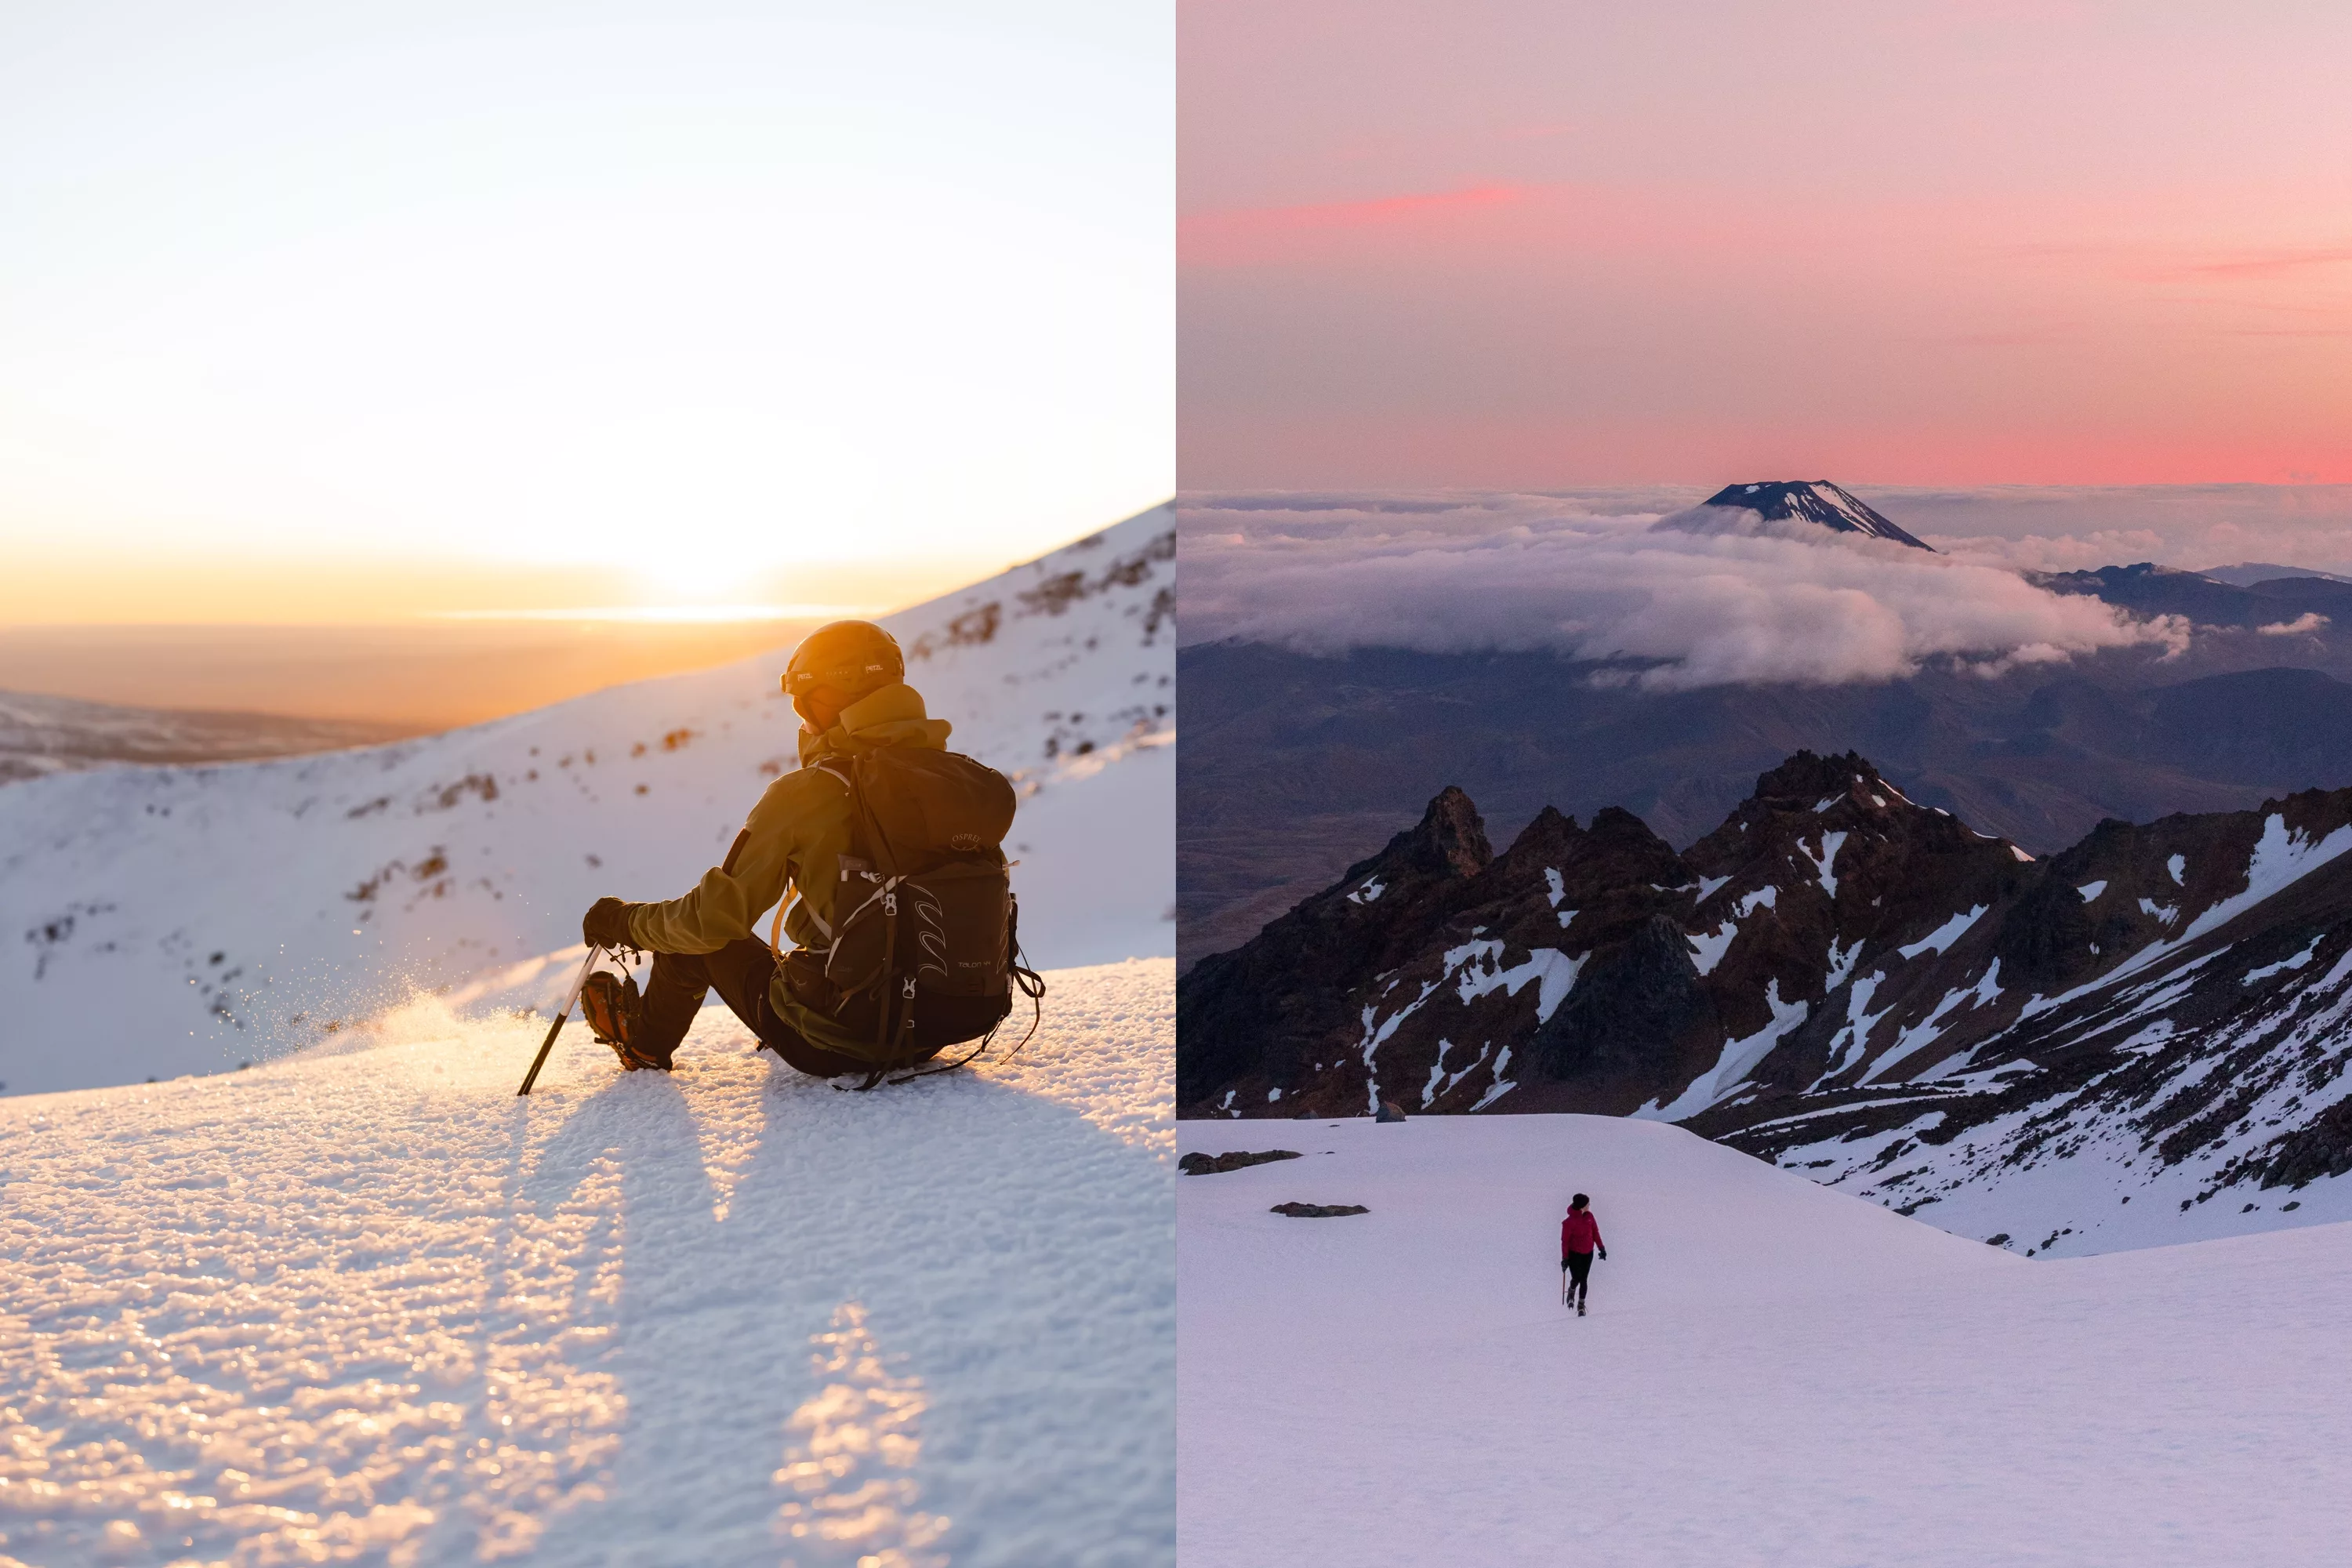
1812, 500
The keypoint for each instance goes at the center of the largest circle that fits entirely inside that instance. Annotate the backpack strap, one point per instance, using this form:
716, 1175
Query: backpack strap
891, 1017
791, 889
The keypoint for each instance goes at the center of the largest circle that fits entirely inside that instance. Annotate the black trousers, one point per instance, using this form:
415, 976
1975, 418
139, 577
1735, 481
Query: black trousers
1579, 1265
740, 972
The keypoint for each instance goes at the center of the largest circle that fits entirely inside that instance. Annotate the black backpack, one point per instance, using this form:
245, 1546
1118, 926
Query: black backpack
926, 947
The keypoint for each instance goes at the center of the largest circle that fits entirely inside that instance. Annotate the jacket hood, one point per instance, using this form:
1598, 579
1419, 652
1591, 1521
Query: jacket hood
890, 716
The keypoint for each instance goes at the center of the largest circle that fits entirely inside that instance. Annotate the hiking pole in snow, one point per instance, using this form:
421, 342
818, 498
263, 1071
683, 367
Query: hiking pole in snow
562, 1016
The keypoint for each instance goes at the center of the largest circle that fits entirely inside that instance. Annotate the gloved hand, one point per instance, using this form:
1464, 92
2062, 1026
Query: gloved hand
1604, 1254
606, 924
1563, 1263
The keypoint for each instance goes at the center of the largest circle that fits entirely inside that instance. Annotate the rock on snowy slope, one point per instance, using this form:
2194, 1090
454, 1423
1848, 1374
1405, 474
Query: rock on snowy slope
2140, 1039
370, 1308
1771, 1372
163, 921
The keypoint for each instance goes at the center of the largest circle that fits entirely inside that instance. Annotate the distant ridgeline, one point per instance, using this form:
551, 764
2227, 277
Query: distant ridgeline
1834, 965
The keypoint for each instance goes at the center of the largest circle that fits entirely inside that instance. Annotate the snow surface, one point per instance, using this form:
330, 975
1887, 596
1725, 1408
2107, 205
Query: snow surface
1707, 948
1944, 935
165, 921
1772, 1372
366, 1306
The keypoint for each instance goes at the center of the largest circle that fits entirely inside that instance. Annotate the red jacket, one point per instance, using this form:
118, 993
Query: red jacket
1580, 1232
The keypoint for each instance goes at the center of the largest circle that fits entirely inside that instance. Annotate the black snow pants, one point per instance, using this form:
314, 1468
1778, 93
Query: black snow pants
740, 972
1579, 1265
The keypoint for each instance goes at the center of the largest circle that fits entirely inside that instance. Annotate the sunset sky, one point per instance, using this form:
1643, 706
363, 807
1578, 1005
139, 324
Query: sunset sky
1527, 243
371, 310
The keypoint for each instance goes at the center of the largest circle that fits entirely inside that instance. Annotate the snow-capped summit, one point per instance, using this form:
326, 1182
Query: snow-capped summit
1811, 501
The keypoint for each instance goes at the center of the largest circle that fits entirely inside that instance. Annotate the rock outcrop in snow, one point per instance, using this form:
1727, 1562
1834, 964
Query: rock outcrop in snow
165, 921
1842, 980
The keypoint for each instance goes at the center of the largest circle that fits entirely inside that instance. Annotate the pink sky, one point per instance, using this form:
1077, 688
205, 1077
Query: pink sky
1546, 242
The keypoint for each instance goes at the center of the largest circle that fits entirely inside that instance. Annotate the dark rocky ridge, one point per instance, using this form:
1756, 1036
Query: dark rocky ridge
1834, 963
1290, 984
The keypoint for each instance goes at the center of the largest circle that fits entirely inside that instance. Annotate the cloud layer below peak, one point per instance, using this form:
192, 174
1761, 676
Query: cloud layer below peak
1596, 578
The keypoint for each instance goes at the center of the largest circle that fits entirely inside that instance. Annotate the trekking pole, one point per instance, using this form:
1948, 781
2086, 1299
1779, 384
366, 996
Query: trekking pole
562, 1016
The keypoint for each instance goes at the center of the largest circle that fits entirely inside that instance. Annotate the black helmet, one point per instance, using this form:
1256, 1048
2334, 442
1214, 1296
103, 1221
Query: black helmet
851, 657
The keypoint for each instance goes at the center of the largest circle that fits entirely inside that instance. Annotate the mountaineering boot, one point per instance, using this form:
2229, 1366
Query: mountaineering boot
614, 1011
1579, 1308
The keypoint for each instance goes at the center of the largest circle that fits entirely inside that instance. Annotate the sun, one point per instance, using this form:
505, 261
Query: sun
685, 578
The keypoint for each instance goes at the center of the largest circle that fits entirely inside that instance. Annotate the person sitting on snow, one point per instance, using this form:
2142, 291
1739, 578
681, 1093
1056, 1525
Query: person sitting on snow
811, 834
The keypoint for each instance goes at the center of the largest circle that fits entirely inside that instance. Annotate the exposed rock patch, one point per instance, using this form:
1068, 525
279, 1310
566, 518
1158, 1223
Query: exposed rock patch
1199, 1164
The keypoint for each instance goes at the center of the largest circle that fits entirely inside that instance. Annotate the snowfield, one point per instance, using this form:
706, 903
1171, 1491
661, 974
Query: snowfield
1772, 1372
366, 1306
167, 921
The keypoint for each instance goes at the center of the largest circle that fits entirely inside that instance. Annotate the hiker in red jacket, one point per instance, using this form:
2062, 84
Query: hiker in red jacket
1579, 1237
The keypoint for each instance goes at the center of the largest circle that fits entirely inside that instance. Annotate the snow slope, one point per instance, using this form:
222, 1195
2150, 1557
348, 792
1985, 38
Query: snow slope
162, 921
1772, 1372
369, 1307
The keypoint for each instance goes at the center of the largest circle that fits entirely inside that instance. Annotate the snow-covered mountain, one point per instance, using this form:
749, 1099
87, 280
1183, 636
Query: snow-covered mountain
183, 920
1811, 500
1771, 1374
2140, 1039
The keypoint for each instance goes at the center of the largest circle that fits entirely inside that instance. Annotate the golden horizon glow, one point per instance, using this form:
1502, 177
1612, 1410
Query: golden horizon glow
53, 584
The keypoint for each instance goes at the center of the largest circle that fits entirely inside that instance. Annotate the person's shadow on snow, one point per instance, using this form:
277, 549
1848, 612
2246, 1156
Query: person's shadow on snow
1014, 1266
